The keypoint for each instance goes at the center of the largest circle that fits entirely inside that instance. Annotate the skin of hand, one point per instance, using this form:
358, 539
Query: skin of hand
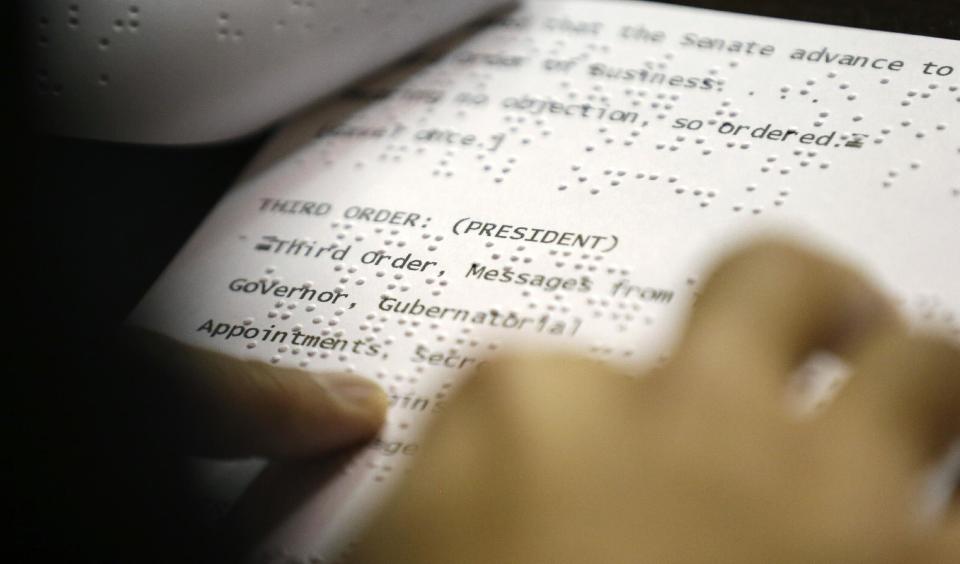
225, 407
553, 458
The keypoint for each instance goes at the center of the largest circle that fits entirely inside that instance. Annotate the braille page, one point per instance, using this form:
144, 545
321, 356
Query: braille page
562, 177
181, 71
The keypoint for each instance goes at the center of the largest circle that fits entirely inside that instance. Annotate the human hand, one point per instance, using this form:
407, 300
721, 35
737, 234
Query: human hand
560, 459
222, 406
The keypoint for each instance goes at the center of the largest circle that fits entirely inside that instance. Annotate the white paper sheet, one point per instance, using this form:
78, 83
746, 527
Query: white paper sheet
600, 153
181, 72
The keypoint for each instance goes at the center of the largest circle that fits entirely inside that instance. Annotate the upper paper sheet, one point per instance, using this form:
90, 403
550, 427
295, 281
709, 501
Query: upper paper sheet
561, 177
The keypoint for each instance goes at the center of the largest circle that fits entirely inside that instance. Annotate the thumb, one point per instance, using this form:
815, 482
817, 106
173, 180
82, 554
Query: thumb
224, 406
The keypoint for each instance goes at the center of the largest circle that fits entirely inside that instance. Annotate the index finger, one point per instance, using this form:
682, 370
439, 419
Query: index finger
228, 407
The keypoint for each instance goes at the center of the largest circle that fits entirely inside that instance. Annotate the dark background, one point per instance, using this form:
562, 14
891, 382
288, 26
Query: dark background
90, 226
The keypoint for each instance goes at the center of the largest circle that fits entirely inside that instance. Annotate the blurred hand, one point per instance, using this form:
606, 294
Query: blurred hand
559, 459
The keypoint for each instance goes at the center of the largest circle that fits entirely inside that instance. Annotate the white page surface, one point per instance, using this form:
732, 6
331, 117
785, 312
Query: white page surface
562, 178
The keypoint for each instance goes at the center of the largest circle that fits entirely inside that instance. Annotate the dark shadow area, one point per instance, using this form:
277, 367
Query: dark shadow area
279, 491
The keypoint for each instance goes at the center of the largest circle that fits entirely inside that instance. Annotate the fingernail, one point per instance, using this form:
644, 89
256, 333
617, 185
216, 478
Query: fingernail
355, 391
